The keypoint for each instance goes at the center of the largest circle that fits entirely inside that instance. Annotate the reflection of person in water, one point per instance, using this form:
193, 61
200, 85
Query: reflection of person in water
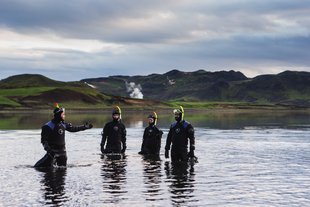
54, 185
53, 139
182, 178
180, 132
114, 134
113, 172
151, 138
152, 178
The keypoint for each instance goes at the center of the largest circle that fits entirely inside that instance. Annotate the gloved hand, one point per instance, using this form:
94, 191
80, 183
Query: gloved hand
167, 154
88, 125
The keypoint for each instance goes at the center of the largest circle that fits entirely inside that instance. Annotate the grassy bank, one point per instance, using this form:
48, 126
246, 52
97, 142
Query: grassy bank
88, 99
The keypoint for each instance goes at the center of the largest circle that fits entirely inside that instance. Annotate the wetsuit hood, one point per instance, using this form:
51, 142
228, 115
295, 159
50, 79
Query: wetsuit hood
117, 111
179, 114
57, 113
153, 116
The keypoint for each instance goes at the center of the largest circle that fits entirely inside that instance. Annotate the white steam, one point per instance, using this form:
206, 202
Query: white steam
134, 90
171, 82
90, 85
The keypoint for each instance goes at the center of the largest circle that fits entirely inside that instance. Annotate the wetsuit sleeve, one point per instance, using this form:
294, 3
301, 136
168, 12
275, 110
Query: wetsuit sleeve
191, 136
168, 141
104, 135
159, 134
158, 138
143, 140
45, 133
71, 128
124, 139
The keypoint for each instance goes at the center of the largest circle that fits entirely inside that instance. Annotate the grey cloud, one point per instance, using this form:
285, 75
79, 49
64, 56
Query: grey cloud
102, 19
196, 34
45, 13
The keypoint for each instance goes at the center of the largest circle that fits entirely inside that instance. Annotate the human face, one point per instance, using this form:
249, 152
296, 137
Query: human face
177, 117
151, 120
115, 116
63, 116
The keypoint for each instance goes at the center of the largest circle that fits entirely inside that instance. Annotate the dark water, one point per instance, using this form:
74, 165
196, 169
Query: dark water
245, 159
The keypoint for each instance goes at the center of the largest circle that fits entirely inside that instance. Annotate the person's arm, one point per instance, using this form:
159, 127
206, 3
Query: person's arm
124, 133
158, 137
143, 142
104, 137
191, 136
45, 133
168, 143
71, 128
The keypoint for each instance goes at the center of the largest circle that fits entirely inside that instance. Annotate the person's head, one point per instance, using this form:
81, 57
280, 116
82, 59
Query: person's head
152, 118
178, 114
116, 113
59, 113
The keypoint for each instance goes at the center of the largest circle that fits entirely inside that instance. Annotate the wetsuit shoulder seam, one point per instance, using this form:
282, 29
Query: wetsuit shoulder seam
50, 124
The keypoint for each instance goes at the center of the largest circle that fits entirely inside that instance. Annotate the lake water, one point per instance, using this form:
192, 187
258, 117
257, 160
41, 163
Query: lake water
245, 159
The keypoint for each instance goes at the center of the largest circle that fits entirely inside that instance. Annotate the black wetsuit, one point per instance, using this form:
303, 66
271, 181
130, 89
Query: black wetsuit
53, 141
114, 136
178, 135
151, 140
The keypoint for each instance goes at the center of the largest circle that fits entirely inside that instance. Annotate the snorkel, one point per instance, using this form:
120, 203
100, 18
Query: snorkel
182, 110
120, 112
155, 116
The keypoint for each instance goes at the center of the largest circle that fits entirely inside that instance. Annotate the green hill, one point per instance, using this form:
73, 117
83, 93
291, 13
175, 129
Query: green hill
287, 88
192, 89
29, 80
37, 91
169, 86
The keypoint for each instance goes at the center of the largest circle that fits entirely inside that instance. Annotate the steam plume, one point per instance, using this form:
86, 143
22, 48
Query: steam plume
134, 90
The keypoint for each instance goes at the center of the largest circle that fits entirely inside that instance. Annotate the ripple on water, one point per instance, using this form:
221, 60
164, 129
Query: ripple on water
252, 167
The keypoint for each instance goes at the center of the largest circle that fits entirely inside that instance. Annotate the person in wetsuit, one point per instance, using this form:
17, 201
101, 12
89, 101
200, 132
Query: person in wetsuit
179, 134
114, 134
53, 139
151, 137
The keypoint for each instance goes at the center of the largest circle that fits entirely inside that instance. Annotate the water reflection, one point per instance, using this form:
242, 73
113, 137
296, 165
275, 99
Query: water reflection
54, 185
236, 168
220, 119
113, 172
181, 179
152, 177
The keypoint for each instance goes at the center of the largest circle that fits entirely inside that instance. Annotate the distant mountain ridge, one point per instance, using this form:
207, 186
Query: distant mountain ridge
172, 85
288, 87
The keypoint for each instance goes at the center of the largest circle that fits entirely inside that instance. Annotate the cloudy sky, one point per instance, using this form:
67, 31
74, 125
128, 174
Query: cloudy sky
71, 40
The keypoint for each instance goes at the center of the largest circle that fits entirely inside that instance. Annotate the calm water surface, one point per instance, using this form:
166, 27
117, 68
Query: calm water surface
255, 159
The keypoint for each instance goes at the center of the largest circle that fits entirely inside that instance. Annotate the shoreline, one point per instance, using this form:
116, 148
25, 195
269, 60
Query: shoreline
227, 109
